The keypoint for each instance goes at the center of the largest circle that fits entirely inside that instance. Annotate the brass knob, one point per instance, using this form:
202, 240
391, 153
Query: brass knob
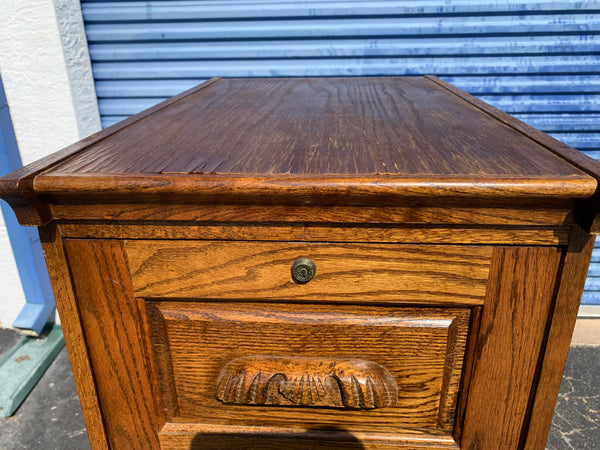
303, 270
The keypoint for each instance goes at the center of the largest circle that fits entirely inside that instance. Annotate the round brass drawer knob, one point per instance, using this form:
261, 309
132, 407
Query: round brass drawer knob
303, 270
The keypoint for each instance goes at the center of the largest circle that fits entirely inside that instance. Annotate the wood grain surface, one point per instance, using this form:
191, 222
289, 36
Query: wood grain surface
261, 270
75, 335
589, 219
577, 158
414, 345
392, 190
321, 232
450, 215
507, 356
467, 372
177, 436
397, 141
556, 347
395, 125
17, 187
115, 337
306, 381
430, 216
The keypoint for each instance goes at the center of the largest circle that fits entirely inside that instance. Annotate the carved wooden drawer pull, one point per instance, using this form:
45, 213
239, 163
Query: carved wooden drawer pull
302, 381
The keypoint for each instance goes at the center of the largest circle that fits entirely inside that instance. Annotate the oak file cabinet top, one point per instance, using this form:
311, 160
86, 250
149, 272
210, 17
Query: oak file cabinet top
323, 142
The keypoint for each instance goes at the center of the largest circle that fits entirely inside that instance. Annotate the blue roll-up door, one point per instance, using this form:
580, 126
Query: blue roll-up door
539, 61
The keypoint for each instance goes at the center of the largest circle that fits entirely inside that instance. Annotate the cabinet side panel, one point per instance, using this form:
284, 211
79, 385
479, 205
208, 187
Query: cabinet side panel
66, 304
113, 324
513, 324
572, 280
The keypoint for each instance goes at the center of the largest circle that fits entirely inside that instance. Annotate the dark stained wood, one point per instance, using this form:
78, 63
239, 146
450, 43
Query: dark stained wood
594, 225
404, 215
74, 333
578, 159
113, 323
517, 307
321, 232
561, 326
321, 126
17, 187
589, 219
344, 272
333, 141
430, 190
415, 346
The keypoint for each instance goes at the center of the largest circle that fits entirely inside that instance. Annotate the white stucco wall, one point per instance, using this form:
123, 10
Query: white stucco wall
47, 78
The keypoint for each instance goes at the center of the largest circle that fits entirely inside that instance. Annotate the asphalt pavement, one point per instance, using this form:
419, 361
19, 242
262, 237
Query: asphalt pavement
50, 417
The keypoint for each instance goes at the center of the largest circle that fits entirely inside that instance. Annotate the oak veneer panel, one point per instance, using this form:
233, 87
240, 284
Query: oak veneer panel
564, 314
589, 217
377, 141
189, 436
323, 232
390, 142
395, 125
75, 336
114, 331
575, 157
261, 270
404, 215
507, 356
467, 371
302, 190
17, 187
420, 349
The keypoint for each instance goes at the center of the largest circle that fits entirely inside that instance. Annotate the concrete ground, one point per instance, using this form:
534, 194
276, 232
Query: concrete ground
50, 418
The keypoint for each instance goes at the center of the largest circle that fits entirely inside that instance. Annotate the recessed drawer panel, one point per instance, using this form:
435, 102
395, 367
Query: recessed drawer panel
262, 270
364, 369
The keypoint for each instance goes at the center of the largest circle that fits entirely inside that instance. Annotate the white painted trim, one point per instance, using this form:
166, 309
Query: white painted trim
78, 65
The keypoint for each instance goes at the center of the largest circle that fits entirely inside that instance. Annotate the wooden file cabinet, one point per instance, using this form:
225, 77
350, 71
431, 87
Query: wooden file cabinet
302, 263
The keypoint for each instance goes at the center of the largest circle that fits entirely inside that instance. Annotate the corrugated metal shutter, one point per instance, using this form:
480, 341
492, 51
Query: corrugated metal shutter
539, 61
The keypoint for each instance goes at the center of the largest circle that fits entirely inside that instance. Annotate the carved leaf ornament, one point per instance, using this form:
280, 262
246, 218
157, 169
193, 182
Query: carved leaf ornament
304, 381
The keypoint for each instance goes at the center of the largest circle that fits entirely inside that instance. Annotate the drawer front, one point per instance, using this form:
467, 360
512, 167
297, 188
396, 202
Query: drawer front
344, 272
359, 368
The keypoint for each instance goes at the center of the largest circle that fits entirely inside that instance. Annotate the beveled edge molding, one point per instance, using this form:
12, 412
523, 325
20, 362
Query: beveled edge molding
17, 188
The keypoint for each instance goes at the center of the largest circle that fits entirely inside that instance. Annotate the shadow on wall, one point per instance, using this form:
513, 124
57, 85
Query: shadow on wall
336, 438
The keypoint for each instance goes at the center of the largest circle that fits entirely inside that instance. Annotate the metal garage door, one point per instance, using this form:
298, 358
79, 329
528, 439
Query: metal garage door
539, 61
